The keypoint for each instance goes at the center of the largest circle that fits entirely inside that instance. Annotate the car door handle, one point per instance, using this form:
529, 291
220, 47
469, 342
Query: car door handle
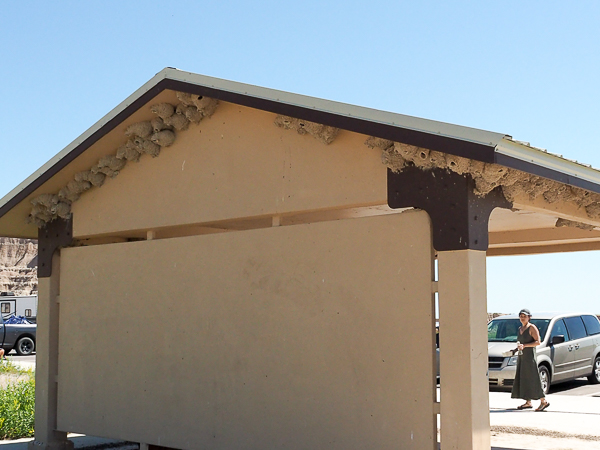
570, 347
576, 346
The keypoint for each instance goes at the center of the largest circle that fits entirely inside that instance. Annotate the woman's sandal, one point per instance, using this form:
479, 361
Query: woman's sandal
542, 407
524, 406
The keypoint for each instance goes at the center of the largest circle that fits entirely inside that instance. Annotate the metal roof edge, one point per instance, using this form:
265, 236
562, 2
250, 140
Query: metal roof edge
443, 129
519, 156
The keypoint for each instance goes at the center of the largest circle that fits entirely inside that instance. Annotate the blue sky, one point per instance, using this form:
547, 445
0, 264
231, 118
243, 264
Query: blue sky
527, 69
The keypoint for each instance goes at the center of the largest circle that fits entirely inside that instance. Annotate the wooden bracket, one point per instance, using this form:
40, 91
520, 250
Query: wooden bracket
55, 235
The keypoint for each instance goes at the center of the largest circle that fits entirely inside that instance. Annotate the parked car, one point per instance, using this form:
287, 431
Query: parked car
570, 348
18, 336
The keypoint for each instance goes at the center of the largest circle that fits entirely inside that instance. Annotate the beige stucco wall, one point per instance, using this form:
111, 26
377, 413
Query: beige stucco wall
306, 336
235, 164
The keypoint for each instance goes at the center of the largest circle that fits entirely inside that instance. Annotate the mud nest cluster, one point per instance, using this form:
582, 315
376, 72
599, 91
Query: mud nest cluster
143, 138
487, 176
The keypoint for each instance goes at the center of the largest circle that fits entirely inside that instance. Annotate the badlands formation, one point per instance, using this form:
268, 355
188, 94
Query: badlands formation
18, 266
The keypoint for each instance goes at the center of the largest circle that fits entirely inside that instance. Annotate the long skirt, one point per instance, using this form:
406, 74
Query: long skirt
527, 379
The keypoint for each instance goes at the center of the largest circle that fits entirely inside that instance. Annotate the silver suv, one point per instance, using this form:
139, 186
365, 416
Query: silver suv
570, 348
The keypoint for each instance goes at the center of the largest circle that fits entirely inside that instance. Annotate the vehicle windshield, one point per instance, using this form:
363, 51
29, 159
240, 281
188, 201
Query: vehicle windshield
507, 330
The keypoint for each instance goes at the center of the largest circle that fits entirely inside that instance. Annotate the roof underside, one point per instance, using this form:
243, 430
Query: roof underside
530, 229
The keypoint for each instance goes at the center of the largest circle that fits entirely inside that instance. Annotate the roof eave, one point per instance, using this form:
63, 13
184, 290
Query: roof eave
453, 139
448, 138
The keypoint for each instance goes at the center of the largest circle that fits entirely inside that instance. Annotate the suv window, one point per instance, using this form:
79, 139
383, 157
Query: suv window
575, 327
591, 324
558, 329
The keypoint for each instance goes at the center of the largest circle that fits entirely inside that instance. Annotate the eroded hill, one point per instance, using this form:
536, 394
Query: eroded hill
18, 266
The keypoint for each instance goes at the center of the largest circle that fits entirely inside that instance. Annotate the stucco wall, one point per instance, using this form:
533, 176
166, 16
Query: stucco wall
306, 336
235, 164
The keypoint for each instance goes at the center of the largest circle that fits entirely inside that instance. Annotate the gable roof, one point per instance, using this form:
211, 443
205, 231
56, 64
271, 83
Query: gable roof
462, 141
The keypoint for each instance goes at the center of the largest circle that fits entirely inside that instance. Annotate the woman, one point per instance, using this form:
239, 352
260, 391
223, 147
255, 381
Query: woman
527, 379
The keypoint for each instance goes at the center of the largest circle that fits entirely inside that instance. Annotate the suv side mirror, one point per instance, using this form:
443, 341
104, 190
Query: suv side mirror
558, 339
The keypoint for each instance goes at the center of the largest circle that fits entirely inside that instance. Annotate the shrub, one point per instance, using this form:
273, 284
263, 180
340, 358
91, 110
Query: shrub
17, 409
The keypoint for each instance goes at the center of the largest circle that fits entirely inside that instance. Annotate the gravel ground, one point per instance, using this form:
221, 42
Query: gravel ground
539, 440
523, 438
544, 433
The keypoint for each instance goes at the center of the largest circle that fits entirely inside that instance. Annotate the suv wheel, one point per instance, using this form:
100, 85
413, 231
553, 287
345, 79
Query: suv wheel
595, 376
544, 378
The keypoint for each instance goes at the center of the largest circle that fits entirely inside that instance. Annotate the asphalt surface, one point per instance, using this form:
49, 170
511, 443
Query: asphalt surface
578, 387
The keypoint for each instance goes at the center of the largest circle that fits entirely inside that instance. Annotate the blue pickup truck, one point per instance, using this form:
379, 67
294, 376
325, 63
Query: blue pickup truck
17, 334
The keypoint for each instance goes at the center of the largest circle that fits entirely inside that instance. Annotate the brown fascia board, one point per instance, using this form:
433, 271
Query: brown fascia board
443, 143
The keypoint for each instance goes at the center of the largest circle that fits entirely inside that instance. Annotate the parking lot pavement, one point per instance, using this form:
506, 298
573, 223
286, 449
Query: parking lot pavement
580, 386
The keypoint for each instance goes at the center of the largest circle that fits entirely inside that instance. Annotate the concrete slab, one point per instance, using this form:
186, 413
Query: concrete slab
571, 422
567, 415
26, 365
501, 441
79, 440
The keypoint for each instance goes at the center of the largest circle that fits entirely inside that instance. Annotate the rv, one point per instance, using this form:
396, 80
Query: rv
25, 306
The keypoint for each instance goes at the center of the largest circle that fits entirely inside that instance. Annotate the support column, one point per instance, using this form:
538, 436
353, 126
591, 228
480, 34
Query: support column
46, 436
51, 238
464, 399
459, 225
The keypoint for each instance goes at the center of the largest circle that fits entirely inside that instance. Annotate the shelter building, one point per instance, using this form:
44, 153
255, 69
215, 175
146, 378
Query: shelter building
228, 266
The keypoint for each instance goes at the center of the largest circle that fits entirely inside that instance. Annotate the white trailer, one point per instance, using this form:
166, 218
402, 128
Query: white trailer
25, 306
